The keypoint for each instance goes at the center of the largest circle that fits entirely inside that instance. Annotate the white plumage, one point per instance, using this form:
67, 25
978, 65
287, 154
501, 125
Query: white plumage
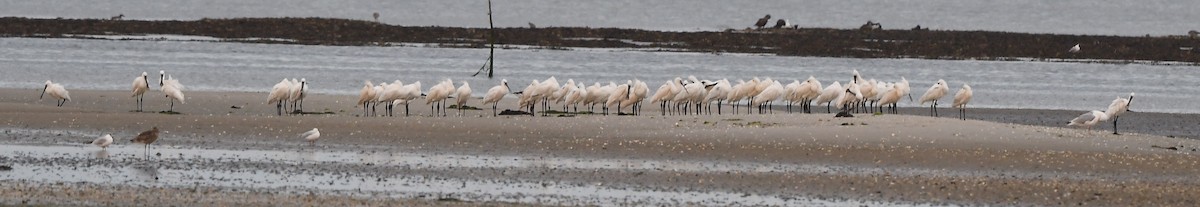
1116, 108
172, 89
103, 141
935, 92
1089, 119
279, 95
891, 96
773, 91
140, 86
438, 94
403, 94
904, 89
829, 94
495, 94
57, 91
298, 91
961, 99
365, 96
461, 95
311, 136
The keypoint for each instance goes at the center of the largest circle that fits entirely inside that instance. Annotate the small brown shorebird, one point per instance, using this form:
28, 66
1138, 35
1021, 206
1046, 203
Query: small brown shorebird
147, 137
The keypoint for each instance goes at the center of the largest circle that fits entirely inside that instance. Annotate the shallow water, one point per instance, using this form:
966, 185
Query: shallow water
190, 167
208, 66
1131, 18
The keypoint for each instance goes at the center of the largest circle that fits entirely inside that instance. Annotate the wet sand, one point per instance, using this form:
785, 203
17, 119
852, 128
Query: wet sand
774, 159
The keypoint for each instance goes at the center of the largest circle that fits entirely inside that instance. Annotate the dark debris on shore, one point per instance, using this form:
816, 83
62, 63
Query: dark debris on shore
820, 42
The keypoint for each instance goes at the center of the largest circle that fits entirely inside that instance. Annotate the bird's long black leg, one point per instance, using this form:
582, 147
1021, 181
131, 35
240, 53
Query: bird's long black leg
1115, 125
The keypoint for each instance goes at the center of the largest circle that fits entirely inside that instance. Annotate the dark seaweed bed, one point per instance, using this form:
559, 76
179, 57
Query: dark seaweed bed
822, 42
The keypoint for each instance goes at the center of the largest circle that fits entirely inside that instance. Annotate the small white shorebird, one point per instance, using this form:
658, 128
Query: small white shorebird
1074, 49
1119, 106
57, 91
140, 86
1089, 119
311, 136
935, 92
103, 141
961, 99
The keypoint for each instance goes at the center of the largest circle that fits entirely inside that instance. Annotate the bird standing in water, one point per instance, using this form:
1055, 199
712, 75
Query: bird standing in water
311, 136
103, 141
147, 137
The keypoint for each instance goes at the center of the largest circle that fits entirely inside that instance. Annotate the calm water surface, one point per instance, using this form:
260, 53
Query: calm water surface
208, 66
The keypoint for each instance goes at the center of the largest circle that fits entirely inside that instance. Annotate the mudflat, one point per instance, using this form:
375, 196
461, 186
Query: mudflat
233, 144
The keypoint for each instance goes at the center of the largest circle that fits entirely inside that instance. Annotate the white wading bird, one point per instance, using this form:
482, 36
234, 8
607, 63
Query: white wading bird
299, 90
172, 88
365, 97
437, 96
462, 95
279, 95
829, 94
140, 86
935, 92
406, 94
961, 99
495, 94
57, 91
1119, 106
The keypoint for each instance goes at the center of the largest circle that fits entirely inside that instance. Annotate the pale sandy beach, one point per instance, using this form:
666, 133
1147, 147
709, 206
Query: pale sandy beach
232, 145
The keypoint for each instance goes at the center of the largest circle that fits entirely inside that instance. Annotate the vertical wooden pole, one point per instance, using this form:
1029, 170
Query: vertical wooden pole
490, 65
492, 40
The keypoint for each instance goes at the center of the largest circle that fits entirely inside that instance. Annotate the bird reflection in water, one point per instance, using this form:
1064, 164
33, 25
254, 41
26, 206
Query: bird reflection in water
145, 171
101, 154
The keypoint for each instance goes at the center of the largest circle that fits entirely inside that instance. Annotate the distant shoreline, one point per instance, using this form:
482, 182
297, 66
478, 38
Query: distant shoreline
815, 42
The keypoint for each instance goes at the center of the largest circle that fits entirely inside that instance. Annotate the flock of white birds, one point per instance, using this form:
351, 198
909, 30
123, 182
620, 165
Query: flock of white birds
677, 96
